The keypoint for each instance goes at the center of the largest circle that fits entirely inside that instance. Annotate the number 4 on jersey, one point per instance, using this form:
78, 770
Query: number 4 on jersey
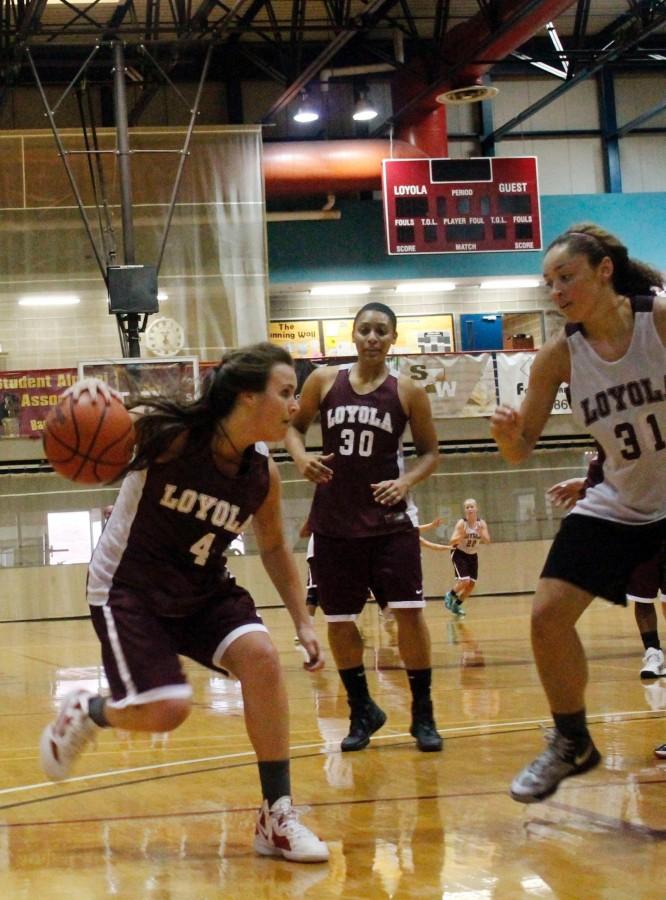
201, 548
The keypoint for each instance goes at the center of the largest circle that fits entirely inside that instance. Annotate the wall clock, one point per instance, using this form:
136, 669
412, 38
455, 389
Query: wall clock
164, 336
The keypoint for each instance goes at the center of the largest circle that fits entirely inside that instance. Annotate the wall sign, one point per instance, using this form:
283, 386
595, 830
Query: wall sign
416, 334
461, 205
301, 337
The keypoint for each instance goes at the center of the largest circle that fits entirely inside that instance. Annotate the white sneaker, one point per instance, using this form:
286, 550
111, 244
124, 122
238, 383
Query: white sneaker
653, 663
558, 761
279, 833
63, 740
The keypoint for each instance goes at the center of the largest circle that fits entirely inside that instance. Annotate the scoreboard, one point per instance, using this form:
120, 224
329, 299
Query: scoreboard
461, 205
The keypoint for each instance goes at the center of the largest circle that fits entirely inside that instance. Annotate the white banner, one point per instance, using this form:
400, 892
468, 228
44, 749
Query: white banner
457, 385
513, 372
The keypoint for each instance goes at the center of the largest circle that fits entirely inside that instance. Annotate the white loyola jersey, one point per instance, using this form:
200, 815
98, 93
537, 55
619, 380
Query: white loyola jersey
623, 406
470, 543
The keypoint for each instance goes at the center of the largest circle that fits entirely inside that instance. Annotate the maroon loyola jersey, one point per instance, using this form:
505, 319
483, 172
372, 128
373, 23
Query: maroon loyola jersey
364, 432
170, 527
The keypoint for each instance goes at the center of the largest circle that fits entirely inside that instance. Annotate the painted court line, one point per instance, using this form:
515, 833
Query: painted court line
492, 728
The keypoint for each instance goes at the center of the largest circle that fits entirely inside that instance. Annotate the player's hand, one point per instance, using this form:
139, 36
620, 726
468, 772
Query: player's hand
314, 467
93, 386
388, 493
505, 425
309, 642
566, 493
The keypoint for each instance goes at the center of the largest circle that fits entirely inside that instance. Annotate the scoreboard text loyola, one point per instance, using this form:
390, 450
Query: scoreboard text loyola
461, 205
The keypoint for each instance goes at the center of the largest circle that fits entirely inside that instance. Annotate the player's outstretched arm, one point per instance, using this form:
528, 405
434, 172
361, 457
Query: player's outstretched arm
564, 494
312, 466
427, 526
431, 545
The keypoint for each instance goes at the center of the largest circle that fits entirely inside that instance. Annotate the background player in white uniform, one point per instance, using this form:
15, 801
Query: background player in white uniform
158, 585
468, 533
612, 355
363, 519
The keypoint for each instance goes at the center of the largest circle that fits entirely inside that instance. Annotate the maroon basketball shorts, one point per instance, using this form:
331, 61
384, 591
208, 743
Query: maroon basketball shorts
648, 578
465, 565
140, 649
387, 564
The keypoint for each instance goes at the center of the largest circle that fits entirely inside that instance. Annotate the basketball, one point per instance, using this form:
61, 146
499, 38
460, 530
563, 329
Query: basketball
88, 442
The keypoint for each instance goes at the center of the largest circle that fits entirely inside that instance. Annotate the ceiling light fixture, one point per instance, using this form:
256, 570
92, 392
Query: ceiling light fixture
560, 73
503, 284
49, 300
472, 93
425, 287
338, 289
306, 111
364, 108
557, 43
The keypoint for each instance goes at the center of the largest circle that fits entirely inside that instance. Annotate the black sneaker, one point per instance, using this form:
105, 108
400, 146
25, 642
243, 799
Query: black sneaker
424, 729
365, 720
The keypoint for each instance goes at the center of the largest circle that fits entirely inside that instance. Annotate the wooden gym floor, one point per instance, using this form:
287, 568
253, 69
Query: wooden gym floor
172, 816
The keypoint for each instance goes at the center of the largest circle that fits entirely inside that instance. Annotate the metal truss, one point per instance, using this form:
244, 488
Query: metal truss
290, 40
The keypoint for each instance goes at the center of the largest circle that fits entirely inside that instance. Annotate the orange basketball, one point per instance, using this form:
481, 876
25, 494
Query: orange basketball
89, 442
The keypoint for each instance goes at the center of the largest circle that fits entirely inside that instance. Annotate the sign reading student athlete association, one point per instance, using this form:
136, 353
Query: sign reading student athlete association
461, 205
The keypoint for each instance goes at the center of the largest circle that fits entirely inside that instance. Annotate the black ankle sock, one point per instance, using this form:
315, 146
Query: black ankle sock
573, 726
275, 780
96, 711
651, 639
356, 684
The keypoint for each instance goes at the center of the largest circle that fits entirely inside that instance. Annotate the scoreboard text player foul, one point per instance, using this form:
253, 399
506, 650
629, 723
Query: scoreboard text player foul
461, 205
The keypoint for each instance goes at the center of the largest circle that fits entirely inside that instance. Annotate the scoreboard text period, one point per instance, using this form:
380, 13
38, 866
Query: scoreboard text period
461, 205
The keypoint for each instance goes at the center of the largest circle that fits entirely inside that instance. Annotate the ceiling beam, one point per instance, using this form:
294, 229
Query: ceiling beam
616, 51
374, 11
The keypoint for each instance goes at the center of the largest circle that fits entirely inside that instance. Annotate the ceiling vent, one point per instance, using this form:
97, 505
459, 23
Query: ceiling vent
470, 94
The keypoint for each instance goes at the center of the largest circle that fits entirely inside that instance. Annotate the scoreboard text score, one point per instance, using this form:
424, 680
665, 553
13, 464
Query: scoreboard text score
461, 205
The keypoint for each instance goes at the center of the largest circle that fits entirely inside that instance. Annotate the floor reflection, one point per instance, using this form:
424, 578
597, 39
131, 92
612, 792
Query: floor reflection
172, 816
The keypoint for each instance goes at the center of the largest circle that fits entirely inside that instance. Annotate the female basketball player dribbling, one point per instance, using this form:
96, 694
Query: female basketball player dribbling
612, 354
363, 519
158, 585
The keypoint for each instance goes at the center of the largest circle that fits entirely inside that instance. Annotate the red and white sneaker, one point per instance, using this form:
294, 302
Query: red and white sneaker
63, 740
279, 833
